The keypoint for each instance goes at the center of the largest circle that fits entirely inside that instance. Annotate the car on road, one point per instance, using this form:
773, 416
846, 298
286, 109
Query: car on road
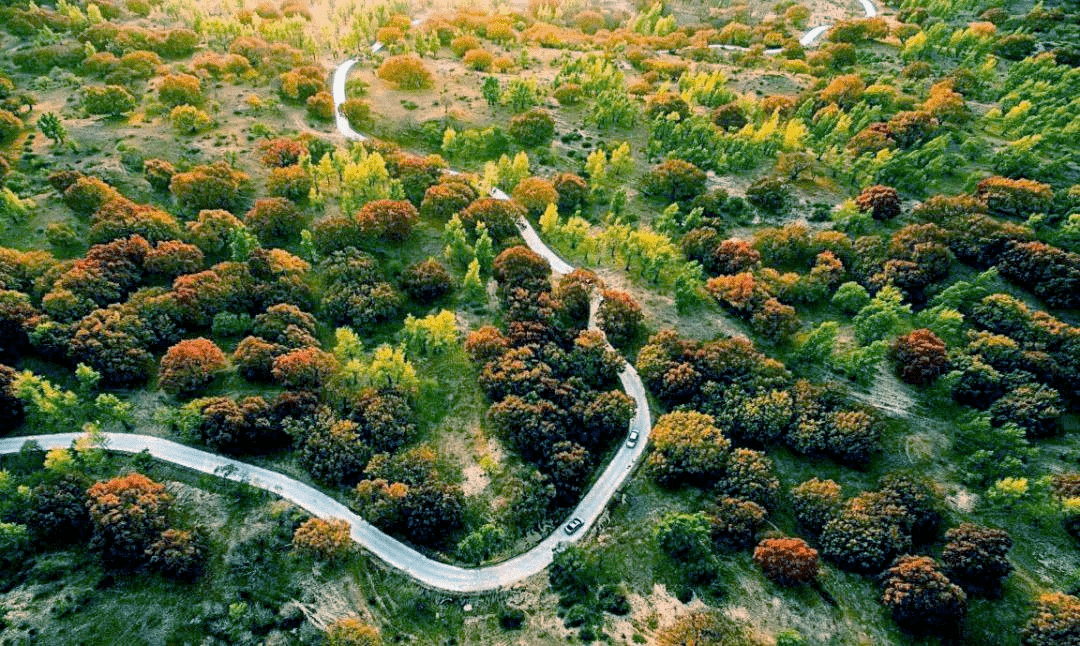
573, 526
632, 438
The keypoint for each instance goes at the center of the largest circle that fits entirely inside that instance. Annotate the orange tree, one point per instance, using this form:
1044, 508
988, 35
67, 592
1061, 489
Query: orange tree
189, 366
128, 514
787, 561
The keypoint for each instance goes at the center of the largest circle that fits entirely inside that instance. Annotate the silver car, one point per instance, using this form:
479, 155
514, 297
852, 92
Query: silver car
573, 526
632, 438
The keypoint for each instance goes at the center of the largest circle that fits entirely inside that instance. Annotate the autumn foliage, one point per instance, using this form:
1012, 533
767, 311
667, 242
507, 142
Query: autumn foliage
787, 561
128, 514
920, 356
323, 539
190, 365
921, 598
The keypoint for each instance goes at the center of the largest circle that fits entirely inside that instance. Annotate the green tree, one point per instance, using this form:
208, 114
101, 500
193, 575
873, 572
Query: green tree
50, 126
492, 91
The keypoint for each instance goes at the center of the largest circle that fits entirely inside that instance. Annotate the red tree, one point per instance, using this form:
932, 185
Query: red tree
189, 366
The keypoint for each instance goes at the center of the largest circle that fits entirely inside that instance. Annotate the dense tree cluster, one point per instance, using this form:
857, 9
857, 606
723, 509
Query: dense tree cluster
921, 598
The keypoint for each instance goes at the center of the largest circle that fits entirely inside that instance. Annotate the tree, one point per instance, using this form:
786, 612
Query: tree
320, 106
769, 194
976, 557
535, 194
687, 447
237, 427
921, 598
492, 91
787, 561
51, 127
128, 514
57, 513
920, 356
882, 202
328, 540
426, 281
865, 534
685, 538
749, 475
674, 179
391, 220
178, 554
521, 267
619, 316
735, 522
189, 366
10, 127
307, 368
533, 128
352, 631
280, 152
499, 216
291, 182
1055, 621
111, 100
216, 186
11, 406
180, 89
407, 72
274, 218
572, 190
1035, 408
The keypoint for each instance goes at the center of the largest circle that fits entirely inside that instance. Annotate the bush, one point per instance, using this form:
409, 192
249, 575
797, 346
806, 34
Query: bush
1055, 622
280, 152
865, 534
687, 447
189, 120
324, 539
573, 192
478, 59
882, 202
10, 127
1035, 408
533, 128
189, 366
769, 194
304, 369
88, 194
620, 317
352, 631
920, 356
178, 554
320, 106
736, 522
216, 186
787, 561
705, 628
749, 475
180, 89
158, 173
408, 72
358, 112
535, 194
238, 427
675, 179
499, 216
976, 557
111, 100
291, 182
729, 116
921, 598
128, 514
427, 281
274, 219
390, 220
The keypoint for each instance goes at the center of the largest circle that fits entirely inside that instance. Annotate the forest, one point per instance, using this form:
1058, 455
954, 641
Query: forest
669, 322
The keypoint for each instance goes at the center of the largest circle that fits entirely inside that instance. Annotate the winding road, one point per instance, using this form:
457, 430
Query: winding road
394, 553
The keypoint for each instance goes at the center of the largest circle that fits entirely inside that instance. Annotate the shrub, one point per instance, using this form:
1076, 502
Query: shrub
111, 100
664, 103
390, 220
535, 194
128, 514
521, 267
1055, 622
882, 202
920, 356
815, 502
238, 427
304, 369
573, 192
158, 173
358, 112
533, 128
1035, 408
280, 152
675, 179
499, 216
189, 366
443, 200
352, 631
687, 447
749, 475
426, 281
300, 83
324, 539
216, 186
291, 182
408, 72
921, 598
320, 106
865, 534
274, 218
189, 120
705, 628
478, 59
619, 316
976, 557
88, 194
787, 561
178, 554
10, 127
180, 89
769, 194
736, 522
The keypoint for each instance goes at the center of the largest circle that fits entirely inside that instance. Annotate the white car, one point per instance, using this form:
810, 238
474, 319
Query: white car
573, 526
632, 438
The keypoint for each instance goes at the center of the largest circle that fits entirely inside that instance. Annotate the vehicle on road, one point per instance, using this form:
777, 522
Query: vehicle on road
632, 438
573, 526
